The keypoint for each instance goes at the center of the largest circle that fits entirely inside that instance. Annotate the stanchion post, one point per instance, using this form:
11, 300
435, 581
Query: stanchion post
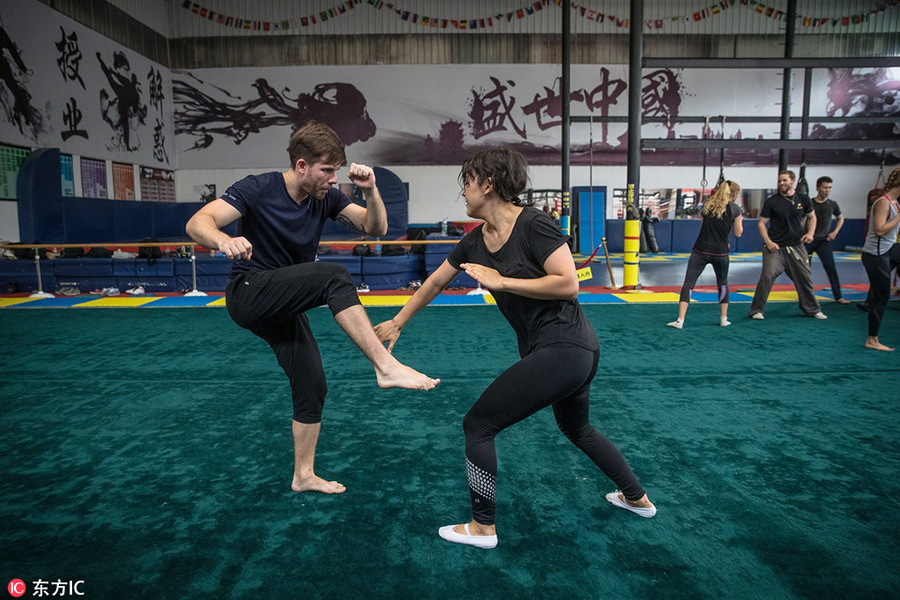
37, 267
612, 280
195, 291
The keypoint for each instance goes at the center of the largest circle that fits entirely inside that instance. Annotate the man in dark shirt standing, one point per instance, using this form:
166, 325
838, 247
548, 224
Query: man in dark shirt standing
826, 208
784, 251
275, 278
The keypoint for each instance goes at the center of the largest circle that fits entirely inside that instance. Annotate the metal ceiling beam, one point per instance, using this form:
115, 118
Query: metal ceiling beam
768, 144
771, 63
786, 75
715, 120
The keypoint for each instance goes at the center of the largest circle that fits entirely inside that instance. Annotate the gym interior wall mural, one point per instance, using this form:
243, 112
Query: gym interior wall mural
65, 86
436, 115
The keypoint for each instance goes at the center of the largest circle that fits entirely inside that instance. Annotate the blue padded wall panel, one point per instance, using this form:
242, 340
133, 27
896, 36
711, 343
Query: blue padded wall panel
84, 283
664, 235
352, 263
684, 234
396, 203
155, 267
169, 219
123, 267
380, 265
390, 281
83, 267
751, 241
853, 233
39, 194
130, 219
89, 220
615, 235
435, 254
219, 266
149, 283
23, 274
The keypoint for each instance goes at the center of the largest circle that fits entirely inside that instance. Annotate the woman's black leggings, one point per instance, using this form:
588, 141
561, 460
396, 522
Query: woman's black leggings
696, 263
878, 268
558, 375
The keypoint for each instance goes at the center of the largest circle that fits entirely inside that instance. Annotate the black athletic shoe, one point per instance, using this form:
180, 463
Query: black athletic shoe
863, 306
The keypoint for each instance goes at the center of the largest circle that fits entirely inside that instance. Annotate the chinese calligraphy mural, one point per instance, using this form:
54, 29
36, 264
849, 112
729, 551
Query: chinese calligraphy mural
65, 86
854, 93
395, 115
14, 95
218, 113
69, 60
122, 109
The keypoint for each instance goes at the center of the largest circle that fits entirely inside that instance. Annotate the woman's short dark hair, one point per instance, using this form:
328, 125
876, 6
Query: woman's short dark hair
506, 169
316, 142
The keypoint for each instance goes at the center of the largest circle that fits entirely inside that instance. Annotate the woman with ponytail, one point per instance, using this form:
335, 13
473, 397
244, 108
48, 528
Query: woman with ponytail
881, 254
720, 215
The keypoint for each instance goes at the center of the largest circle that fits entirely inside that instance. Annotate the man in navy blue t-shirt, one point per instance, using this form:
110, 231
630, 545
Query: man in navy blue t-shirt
275, 279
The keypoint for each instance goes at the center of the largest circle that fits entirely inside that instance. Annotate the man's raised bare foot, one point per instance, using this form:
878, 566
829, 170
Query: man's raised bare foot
401, 376
317, 484
874, 344
842, 301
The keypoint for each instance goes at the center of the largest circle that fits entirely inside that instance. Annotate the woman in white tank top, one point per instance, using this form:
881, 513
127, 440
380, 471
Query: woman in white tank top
881, 254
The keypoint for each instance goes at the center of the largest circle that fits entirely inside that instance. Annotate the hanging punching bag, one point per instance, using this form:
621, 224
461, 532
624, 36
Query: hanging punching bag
648, 225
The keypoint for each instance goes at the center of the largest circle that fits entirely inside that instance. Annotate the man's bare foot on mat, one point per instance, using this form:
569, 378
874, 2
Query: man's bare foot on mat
874, 344
317, 484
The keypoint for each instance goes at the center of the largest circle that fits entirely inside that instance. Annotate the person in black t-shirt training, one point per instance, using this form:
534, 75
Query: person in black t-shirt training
522, 257
825, 208
784, 250
719, 216
275, 279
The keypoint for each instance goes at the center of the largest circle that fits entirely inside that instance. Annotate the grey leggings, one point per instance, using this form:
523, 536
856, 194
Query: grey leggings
696, 264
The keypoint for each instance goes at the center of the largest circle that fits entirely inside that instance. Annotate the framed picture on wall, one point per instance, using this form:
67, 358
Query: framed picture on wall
93, 178
123, 181
11, 159
67, 175
157, 185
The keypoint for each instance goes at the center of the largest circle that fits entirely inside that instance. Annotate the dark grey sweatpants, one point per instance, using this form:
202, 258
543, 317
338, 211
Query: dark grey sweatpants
794, 261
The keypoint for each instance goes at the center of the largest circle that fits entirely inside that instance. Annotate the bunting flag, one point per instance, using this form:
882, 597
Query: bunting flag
269, 26
809, 21
527, 10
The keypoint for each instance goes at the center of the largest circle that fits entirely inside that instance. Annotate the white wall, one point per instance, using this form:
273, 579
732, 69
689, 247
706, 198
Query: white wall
9, 222
434, 191
404, 109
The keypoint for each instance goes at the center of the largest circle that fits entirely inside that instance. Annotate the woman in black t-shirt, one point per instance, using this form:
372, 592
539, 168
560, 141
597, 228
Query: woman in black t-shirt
522, 257
719, 216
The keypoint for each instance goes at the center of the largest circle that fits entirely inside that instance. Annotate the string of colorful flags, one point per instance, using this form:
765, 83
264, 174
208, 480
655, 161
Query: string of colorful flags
527, 10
